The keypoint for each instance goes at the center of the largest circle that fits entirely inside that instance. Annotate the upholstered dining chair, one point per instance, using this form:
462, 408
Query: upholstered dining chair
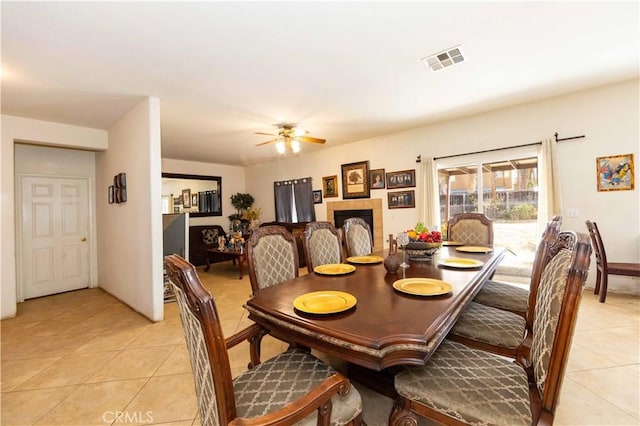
516, 299
357, 236
272, 255
470, 228
504, 332
322, 244
462, 385
604, 267
293, 387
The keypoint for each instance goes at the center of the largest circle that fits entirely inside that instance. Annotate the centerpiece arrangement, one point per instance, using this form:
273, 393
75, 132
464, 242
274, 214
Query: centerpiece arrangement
422, 242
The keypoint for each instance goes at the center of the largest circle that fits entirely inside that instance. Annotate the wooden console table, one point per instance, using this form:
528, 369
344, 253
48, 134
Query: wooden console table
214, 255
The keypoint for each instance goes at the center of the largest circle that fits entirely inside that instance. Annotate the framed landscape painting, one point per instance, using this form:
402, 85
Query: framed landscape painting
615, 172
355, 180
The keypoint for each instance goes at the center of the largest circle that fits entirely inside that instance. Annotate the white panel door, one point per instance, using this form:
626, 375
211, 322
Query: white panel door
55, 229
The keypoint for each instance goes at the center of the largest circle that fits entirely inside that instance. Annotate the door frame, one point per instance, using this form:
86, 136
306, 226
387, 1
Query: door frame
20, 231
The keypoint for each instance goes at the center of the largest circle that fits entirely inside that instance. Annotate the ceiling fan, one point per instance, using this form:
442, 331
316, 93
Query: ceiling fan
289, 137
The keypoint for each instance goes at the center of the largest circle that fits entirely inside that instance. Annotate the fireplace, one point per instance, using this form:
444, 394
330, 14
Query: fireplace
372, 204
339, 216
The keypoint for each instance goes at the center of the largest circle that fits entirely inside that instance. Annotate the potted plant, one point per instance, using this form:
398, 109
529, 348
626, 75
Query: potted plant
241, 202
253, 216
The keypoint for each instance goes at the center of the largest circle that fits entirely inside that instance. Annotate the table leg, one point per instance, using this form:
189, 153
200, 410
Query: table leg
206, 259
240, 266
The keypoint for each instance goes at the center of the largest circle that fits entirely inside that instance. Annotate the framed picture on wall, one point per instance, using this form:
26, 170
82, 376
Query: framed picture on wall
186, 198
615, 172
355, 180
317, 197
401, 199
330, 186
376, 179
401, 179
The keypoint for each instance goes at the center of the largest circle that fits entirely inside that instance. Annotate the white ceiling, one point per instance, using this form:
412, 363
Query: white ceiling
344, 71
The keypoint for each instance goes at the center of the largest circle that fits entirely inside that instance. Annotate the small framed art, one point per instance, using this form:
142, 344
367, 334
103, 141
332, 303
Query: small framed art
615, 172
401, 179
330, 186
376, 179
317, 197
401, 199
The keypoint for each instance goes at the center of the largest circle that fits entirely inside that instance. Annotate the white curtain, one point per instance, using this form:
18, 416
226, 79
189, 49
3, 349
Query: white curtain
549, 194
429, 200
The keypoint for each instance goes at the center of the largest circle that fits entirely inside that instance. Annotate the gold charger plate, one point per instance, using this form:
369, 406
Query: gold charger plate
474, 249
324, 302
334, 269
422, 286
460, 262
364, 259
452, 243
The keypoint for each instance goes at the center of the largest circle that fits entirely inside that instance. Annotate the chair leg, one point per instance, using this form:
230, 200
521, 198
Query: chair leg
603, 290
596, 289
401, 416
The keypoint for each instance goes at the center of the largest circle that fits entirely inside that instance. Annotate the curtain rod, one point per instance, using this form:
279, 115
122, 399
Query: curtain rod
487, 150
567, 139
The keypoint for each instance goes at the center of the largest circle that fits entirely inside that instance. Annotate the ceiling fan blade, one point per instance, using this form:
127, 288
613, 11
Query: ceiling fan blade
267, 142
310, 139
263, 133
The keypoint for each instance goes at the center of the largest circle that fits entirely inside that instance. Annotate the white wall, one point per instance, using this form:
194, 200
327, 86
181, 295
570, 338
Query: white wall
233, 181
608, 116
40, 132
130, 233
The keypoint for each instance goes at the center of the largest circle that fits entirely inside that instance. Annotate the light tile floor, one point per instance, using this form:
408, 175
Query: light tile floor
83, 358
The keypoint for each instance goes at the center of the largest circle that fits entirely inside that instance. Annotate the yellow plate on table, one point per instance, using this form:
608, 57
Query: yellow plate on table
364, 259
422, 286
452, 243
334, 269
324, 302
460, 262
474, 249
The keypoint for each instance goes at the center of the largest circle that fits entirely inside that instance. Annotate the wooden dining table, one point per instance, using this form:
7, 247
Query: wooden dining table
386, 327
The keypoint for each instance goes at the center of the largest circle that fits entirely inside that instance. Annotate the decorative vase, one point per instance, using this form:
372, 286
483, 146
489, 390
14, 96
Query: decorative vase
254, 224
392, 261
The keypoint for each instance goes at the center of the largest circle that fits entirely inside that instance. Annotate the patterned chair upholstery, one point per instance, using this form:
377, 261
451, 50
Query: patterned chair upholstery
470, 228
357, 237
293, 387
272, 256
499, 331
322, 244
515, 299
462, 385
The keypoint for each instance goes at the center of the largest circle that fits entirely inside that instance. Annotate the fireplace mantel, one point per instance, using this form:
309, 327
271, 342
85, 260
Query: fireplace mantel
375, 204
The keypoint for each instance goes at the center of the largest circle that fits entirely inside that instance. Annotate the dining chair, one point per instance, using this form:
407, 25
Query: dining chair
604, 267
462, 385
272, 256
293, 387
503, 332
470, 228
516, 299
322, 244
358, 239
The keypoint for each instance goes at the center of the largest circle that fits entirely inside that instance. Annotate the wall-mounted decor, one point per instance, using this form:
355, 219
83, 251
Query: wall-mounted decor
186, 198
194, 200
317, 197
401, 179
401, 199
355, 180
111, 193
120, 188
376, 179
330, 186
615, 172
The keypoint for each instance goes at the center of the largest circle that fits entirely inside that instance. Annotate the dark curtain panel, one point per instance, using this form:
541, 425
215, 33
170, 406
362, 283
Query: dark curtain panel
284, 201
304, 200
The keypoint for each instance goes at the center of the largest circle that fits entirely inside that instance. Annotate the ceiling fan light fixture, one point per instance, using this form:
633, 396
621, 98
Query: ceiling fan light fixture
280, 147
295, 146
299, 132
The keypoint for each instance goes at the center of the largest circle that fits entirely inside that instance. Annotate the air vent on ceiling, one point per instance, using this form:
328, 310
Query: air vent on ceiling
444, 59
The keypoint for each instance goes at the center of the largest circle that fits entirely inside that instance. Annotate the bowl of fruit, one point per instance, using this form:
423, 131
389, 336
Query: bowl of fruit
423, 243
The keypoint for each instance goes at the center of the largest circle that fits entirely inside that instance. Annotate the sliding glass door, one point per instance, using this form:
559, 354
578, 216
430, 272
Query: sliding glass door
505, 189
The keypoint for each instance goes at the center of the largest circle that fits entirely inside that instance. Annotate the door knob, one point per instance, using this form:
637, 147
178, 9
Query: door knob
83, 239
